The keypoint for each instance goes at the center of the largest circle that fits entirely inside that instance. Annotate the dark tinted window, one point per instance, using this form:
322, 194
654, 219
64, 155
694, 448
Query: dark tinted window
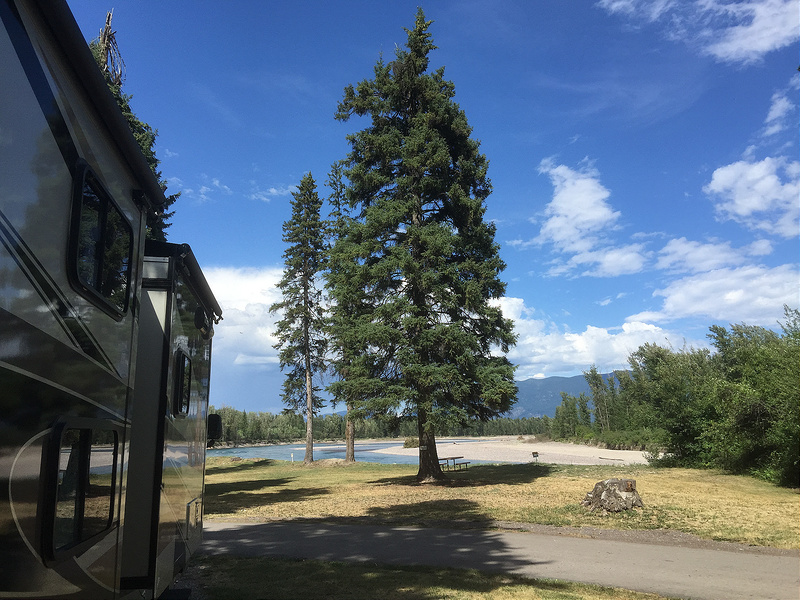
183, 384
103, 245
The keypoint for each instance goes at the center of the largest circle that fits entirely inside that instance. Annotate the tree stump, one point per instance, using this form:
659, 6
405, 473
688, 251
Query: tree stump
613, 495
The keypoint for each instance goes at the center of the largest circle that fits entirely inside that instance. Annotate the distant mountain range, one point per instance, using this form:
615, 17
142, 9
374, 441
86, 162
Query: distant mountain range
540, 397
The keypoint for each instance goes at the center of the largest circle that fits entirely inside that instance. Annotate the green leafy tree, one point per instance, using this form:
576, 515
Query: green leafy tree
676, 386
421, 254
301, 329
108, 58
756, 388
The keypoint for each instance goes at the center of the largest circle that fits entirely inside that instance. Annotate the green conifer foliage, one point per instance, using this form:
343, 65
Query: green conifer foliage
144, 134
420, 255
301, 329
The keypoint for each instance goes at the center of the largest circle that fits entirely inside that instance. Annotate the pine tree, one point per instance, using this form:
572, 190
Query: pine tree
342, 308
421, 255
301, 329
109, 59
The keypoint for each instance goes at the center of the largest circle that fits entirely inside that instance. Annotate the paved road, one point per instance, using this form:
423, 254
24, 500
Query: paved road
667, 570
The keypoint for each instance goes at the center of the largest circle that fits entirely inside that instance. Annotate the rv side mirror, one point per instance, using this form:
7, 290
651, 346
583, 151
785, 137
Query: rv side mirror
214, 426
202, 323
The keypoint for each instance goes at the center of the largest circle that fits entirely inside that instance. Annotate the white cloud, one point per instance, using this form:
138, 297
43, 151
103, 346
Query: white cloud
686, 256
207, 190
577, 222
776, 120
762, 26
267, 195
737, 32
761, 195
612, 261
578, 210
221, 186
245, 336
650, 10
545, 349
752, 294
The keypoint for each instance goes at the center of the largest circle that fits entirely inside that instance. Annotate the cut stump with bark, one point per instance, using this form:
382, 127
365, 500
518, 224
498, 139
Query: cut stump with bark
613, 495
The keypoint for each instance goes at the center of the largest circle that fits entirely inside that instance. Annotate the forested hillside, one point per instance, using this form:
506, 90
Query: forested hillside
541, 397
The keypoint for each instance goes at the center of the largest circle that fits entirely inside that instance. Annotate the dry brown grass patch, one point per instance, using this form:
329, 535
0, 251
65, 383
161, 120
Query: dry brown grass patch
709, 504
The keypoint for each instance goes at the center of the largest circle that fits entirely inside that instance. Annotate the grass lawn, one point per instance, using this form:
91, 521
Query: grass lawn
232, 578
709, 504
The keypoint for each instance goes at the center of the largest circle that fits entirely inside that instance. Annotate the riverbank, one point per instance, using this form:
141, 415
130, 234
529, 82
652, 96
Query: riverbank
497, 449
518, 449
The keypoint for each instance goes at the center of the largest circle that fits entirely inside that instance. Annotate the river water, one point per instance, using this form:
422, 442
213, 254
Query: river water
364, 452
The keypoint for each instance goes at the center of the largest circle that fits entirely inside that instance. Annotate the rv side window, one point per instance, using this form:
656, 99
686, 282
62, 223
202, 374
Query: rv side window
183, 384
102, 246
84, 503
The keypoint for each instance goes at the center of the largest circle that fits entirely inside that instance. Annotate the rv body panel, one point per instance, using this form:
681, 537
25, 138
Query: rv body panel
74, 191
168, 447
66, 355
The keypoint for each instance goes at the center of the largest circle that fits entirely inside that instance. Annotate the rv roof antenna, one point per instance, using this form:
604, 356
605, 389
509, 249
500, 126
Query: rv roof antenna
110, 56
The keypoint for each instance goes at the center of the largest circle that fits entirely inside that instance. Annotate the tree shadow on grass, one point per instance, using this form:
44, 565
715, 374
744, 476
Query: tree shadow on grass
478, 475
228, 498
229, 576
237, 466
454, 513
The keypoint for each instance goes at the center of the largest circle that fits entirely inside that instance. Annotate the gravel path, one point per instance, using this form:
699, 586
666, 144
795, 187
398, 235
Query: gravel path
511, 449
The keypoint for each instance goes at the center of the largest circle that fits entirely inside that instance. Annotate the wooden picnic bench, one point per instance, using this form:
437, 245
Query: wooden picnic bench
451, 463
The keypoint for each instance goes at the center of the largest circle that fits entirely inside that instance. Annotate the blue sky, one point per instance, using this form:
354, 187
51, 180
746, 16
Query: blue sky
643, 155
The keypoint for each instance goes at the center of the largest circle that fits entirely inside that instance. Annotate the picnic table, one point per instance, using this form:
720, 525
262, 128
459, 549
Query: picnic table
451, 463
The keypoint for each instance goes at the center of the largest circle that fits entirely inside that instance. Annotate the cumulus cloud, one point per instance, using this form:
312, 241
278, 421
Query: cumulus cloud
245, 336
578, 210
577, 221
682, 255
734, 32
752, 294
612, 261
761, 195
544, 348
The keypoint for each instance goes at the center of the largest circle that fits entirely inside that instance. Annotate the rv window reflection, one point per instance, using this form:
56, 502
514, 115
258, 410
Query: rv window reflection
183, 384
85, 489
102, 246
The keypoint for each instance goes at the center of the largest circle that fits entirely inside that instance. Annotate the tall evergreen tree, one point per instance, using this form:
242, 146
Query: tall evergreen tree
301, 329
109, 59
343, 308
422, 254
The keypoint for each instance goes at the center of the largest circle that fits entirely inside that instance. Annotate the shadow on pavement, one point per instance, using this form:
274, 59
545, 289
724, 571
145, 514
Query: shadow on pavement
397, 545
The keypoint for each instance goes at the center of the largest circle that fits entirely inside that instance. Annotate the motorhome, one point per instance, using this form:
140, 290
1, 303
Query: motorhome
105, 338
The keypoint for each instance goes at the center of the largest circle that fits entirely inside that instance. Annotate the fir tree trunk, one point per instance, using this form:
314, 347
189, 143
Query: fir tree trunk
350, 438
309, 457
429, 467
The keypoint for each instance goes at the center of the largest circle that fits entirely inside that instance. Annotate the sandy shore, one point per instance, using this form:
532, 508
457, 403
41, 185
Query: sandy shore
512, 450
